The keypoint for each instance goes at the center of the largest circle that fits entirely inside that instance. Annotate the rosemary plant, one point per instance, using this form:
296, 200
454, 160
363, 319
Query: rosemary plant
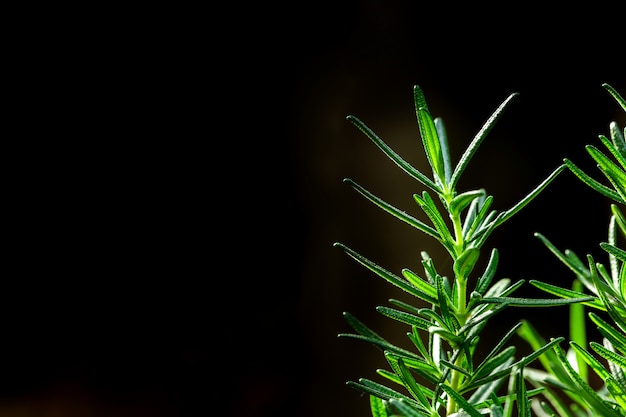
569, 372
442, 375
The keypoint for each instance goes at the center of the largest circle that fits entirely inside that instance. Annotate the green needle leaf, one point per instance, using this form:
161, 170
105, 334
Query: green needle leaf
478, 215
571, 261
465, 263
615, 149
494, 362
612, 172
601, 407
412, 221
506, 371
428, 205
431, 142
616, 95
618, 139
409, 382
619, 219
478, 139
445, 150
614, 305
369, 336
496, 349
534, 193
502, 288
535, 302
376, 389
615, 251
485, 279
608, 355
444, 302
523, 403
592, 183
405, 409
568, 294
617, 339
462, 402
408, 168
578, 328
429, 292
461, 201
377, 406
593, 363
404, 317
434, 317
383, 273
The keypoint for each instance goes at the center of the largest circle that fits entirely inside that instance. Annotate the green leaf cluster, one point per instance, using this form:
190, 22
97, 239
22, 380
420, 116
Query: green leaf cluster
441, 374
568, 372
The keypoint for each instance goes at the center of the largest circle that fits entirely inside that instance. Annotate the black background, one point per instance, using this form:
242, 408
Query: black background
174, 190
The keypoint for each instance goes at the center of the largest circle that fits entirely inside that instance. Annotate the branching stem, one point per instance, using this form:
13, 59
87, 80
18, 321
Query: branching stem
460, 308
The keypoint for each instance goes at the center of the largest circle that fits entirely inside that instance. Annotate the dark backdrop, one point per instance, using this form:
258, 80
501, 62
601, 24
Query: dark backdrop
174, 187
303, 73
